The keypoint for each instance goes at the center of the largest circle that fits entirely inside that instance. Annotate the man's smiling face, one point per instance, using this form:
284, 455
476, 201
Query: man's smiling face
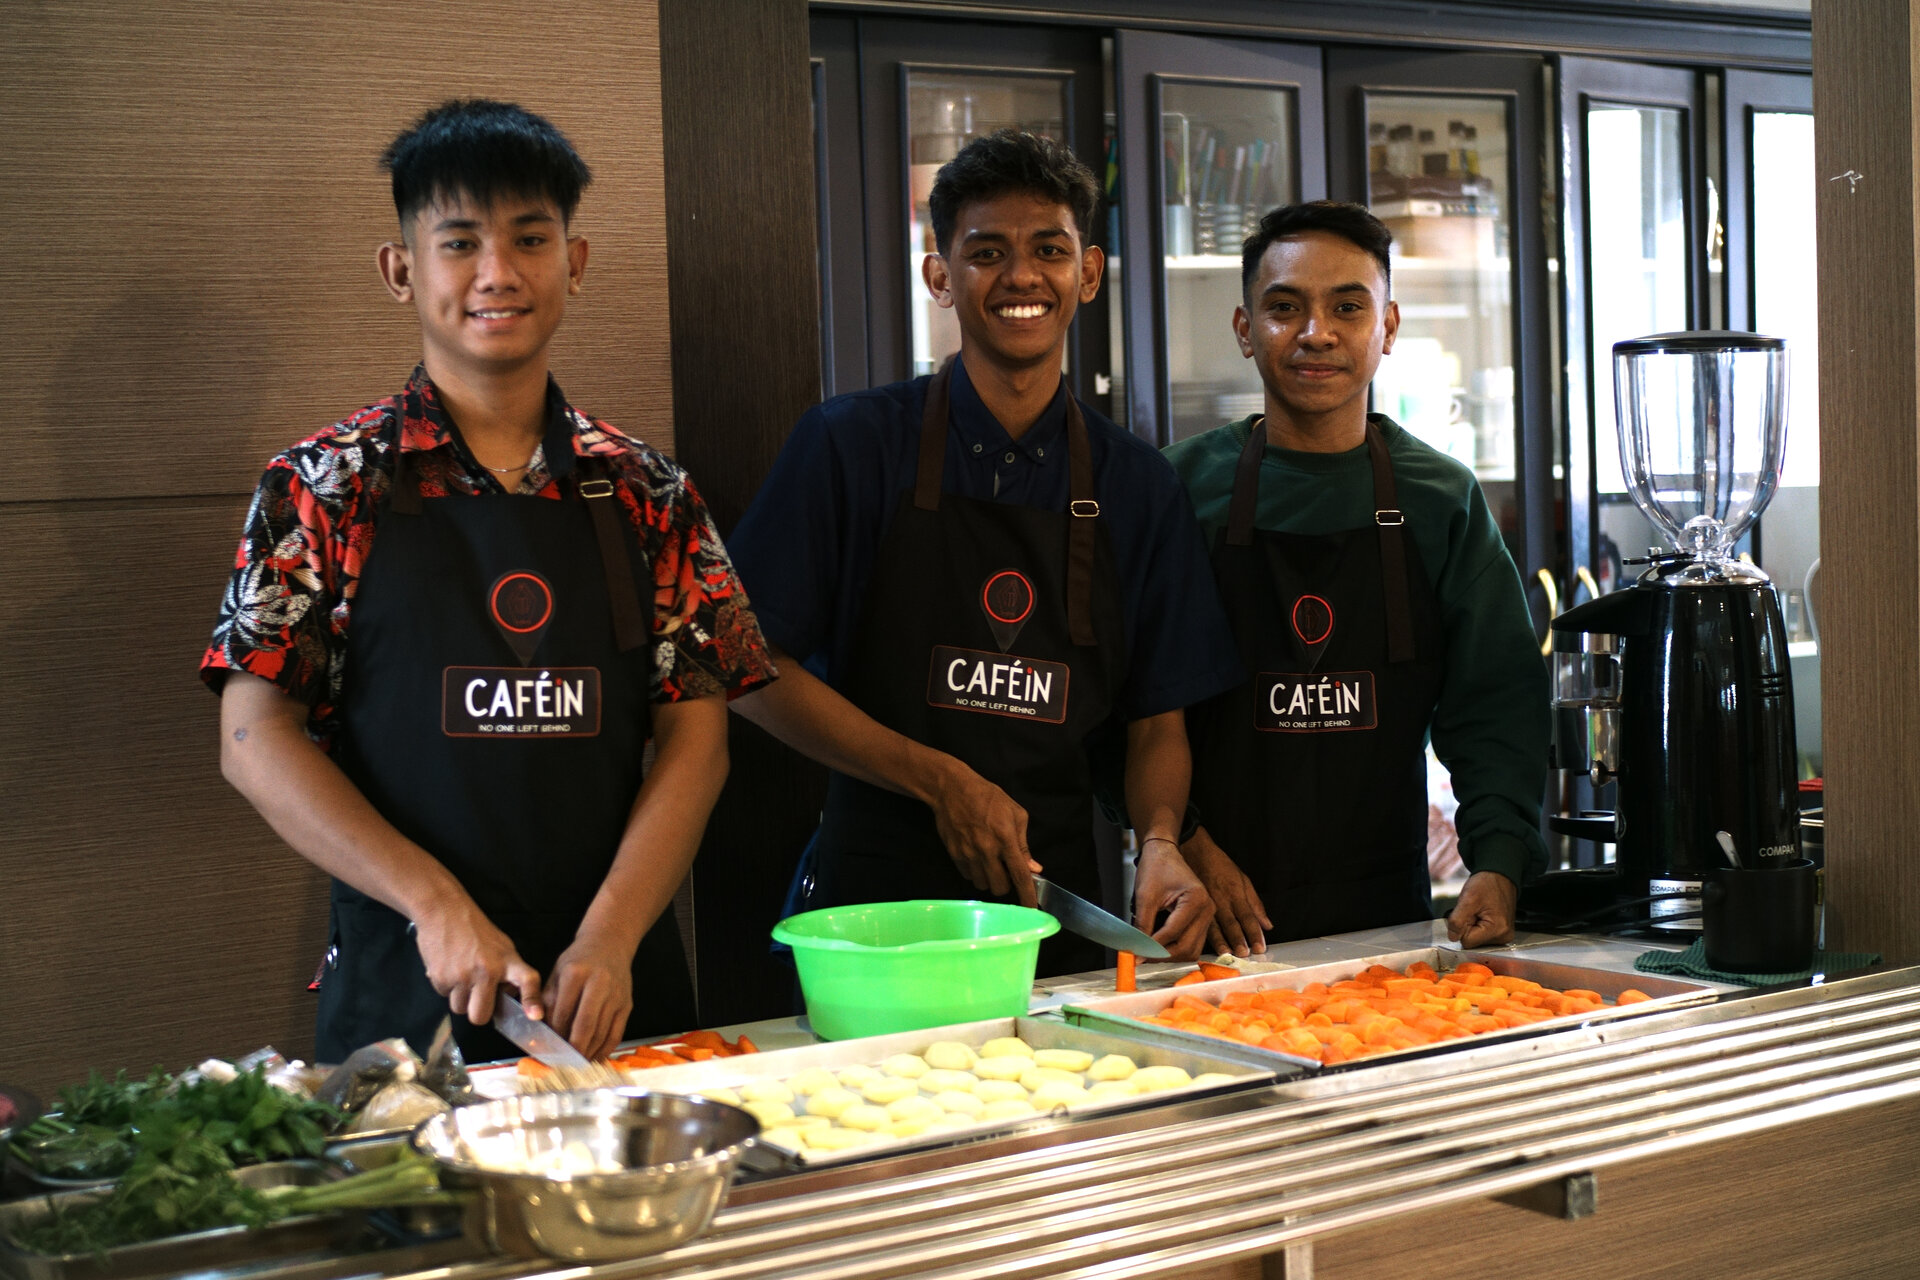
490, 282
1014, 273
1316, 323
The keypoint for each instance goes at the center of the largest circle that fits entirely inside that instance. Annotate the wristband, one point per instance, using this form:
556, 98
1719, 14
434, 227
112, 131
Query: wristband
1190, 825
1159, 840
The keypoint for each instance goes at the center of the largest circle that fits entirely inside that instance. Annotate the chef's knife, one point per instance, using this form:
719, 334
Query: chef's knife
1077, 915
537, 1038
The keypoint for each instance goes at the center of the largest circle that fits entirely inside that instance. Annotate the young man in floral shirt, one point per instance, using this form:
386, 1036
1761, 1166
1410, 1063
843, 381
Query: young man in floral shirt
456, 618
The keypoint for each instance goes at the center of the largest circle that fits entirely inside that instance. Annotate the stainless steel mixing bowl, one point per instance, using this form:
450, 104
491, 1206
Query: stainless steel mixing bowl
675, 1158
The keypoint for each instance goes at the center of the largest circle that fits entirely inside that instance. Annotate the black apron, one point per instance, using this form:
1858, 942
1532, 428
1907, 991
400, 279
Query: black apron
1312, 774
499, 672
992, 632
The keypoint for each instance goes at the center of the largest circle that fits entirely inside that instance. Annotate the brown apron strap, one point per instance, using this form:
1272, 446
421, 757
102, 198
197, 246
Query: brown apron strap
933, 440
1084, 515
1246, 486
1392, 523
630, 628
405, 496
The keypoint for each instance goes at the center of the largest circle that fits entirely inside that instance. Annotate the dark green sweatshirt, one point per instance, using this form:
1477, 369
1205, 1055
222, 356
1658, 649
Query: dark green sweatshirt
1490, 727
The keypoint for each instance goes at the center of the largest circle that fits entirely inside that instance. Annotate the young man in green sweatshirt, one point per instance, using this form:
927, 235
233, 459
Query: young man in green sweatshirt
1375, 604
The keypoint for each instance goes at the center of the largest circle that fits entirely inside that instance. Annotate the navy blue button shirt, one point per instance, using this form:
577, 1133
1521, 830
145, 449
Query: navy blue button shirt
806, 547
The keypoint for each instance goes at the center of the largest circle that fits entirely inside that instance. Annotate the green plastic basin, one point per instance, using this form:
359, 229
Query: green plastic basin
899, 966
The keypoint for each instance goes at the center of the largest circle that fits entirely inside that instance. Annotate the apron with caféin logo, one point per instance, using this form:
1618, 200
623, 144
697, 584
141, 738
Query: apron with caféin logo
498, 708
992, 632
1312, 774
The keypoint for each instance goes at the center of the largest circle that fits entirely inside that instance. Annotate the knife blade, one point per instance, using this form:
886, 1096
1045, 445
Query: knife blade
511, 1020
1077, 915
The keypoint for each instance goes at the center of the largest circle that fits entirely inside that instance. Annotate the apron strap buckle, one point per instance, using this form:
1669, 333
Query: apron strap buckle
1085, 508
596, 488
1390, 517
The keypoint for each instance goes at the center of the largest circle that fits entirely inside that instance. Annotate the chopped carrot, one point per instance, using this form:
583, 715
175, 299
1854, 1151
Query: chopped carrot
533, 1067
747, 1046
1187, 980
703, 1039
1129, 967
1631, 995
1216, 972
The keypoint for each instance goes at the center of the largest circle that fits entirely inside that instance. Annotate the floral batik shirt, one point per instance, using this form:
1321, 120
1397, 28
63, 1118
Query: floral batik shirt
287, 613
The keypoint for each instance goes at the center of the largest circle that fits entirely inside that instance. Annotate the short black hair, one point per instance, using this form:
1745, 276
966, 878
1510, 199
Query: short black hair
481, 149
1352, 222
1013, 161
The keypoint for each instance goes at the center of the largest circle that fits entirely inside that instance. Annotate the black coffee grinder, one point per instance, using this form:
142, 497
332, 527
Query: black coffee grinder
1676, 689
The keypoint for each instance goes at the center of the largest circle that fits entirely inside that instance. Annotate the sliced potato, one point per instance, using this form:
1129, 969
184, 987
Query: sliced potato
913, 1108
1006, 1047
950, 1055
1062, 1059
1059, 1093
832, 1102
812, 1081
865, 1116
1101, 1090
720, 1093
1007, 1067
991, 1091
1033, 1077
954, 1100
1115, 1066
765, 1091
908, 1066
941, 1079
1007, 1109
1154, 1079
769, 1114
887, 1089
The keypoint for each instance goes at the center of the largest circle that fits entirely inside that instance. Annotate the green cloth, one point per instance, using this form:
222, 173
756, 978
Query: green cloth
1693, 962
1490, 726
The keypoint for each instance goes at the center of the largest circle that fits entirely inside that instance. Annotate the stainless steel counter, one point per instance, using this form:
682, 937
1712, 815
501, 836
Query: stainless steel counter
1175, 1190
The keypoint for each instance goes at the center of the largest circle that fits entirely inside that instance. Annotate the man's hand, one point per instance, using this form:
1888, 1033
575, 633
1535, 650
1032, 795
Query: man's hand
590, 995
468, 960
1164, 883
985, 833
1483, 917
1238, 914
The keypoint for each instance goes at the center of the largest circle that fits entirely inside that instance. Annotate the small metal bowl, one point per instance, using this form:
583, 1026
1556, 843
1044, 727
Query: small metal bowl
676, 1158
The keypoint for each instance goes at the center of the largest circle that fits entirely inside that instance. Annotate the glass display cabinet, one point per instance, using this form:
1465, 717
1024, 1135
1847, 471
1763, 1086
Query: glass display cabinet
1213, 133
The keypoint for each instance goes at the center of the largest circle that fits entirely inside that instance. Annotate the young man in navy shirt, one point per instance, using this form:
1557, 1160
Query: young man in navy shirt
978, 572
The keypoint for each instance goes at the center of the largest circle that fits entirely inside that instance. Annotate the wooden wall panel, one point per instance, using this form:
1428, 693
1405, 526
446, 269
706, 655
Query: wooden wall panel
146, 913
192, 210
1864, 88
746, 364
192, 207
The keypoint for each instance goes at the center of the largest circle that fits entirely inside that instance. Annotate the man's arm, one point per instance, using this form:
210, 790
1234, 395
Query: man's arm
1159, 770
1490, 727
984, 831
267, 756
590, 992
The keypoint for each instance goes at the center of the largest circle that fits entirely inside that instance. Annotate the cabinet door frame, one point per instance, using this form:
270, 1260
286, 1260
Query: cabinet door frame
1584, 81
891, 49
838, 178
1518, 79
1144, 61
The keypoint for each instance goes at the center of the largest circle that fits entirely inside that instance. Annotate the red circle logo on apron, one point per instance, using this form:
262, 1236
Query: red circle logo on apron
521, 602
1312, 619
1007, 597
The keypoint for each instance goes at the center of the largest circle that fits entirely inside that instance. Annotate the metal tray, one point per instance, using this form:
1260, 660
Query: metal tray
222, 1247
1121, 1014
1248, 1066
